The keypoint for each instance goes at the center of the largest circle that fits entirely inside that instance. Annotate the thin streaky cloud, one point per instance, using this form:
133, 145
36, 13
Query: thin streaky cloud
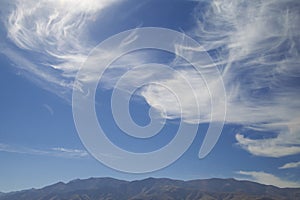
268, 179
55, 152
290, 165
49, 109
71, 152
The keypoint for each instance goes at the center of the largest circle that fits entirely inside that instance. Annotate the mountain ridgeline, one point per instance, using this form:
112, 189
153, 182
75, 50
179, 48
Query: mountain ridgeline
156, 189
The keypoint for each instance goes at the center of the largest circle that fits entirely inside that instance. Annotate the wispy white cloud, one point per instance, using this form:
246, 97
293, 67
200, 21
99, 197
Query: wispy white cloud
70, 152
183, 93
56, 152
256, 49
269, 179
55, 35
255, 43
290, 165
284, 144
53, 27
49, 109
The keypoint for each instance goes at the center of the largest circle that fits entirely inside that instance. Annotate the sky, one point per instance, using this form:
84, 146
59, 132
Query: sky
238, 106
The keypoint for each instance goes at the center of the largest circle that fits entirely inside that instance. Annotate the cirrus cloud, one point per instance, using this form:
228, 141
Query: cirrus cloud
54, 152
269, 179
254, 43
290, 165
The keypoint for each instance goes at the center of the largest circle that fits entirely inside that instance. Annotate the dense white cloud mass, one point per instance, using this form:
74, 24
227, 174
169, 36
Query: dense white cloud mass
269, 179
255, 44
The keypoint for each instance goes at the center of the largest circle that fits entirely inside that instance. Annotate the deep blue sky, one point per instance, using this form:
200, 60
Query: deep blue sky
259, 63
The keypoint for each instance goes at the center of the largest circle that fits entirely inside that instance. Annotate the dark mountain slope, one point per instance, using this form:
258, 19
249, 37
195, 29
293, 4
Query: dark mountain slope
152, 188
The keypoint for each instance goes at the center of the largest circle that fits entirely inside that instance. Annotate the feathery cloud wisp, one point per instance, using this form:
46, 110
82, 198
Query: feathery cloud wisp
55, 33
286, 143
269, 179
255, 44
55, 152
290, 165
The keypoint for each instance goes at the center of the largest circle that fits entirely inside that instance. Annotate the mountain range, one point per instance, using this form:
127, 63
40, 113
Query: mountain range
155, 189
